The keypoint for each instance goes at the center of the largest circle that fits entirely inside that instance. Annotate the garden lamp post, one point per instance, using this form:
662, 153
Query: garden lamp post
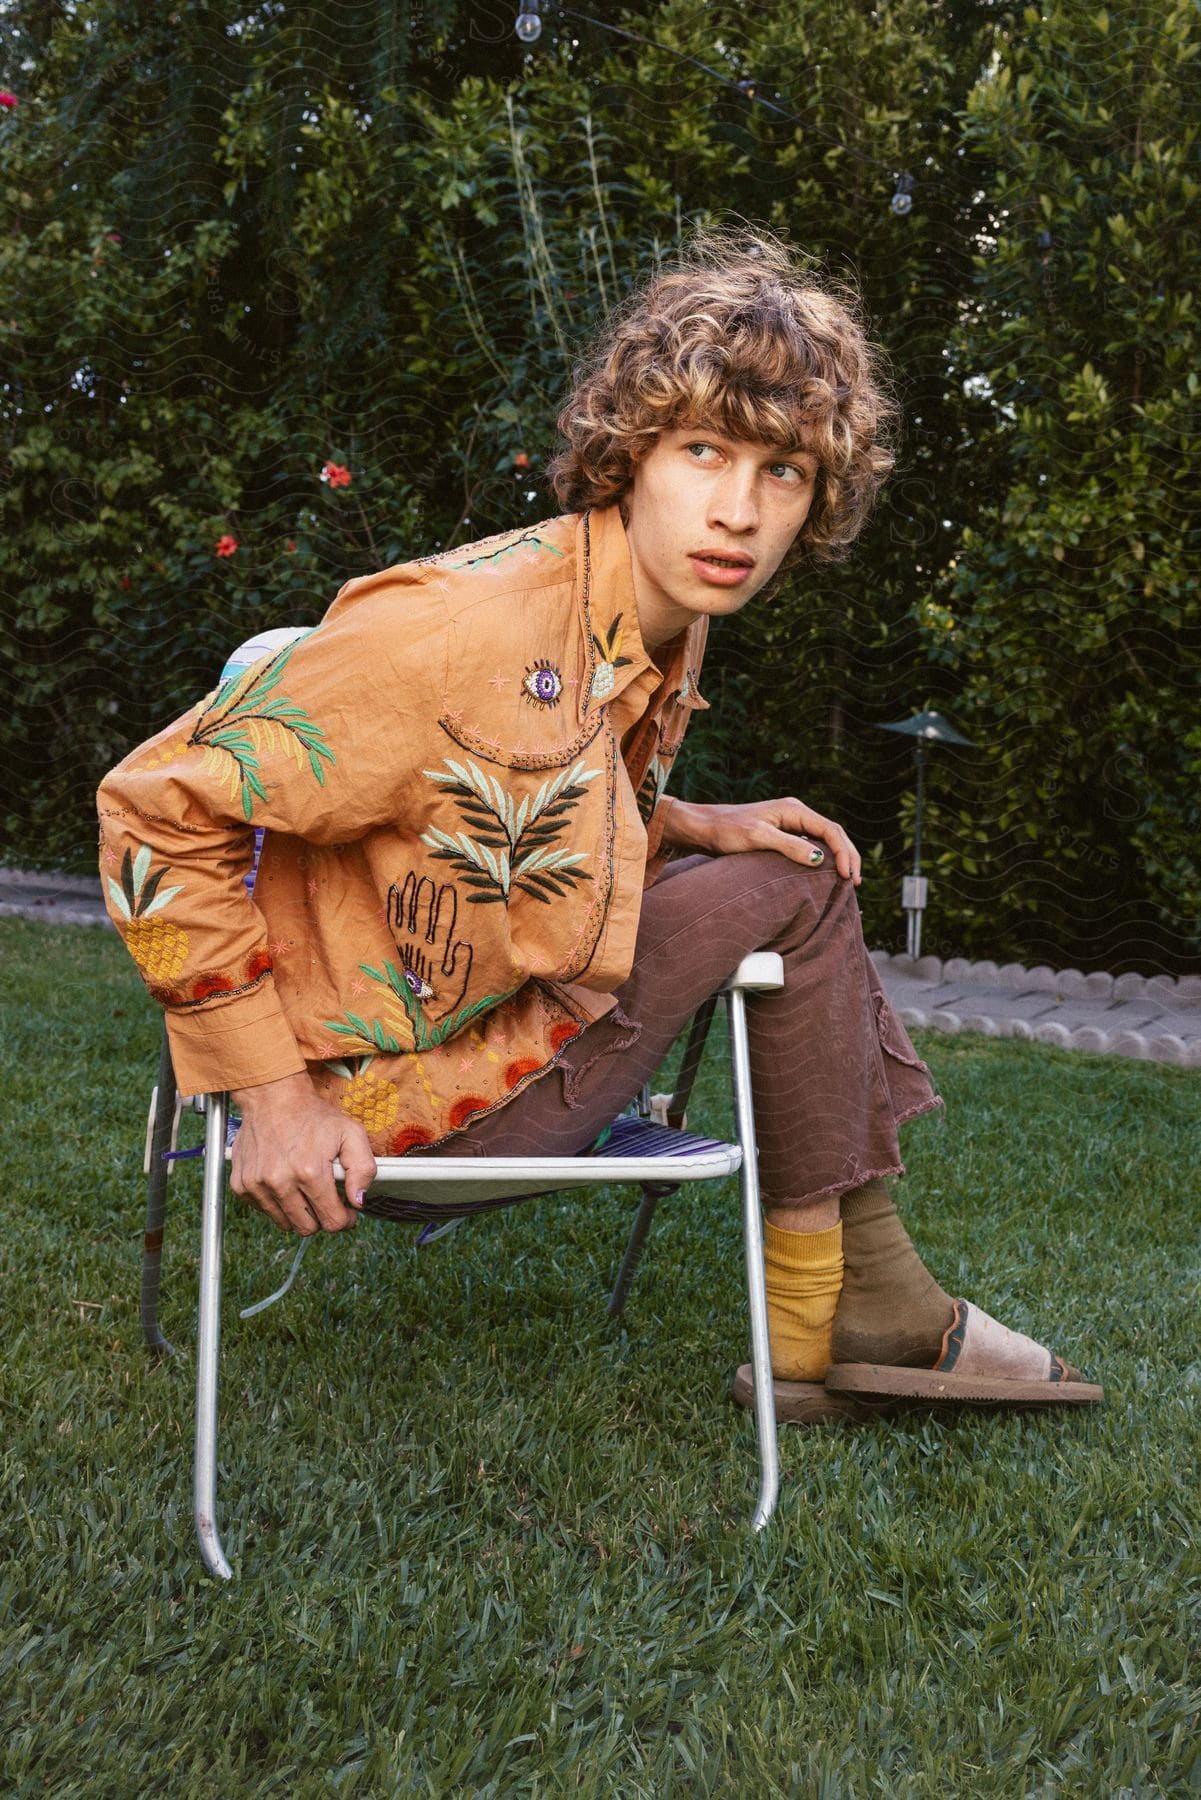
924, 728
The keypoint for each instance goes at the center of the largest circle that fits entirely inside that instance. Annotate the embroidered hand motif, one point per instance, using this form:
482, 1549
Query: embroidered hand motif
422, 1002
418, 913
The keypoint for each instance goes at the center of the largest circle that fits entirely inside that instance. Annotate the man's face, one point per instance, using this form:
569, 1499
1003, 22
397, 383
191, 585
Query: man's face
709, 519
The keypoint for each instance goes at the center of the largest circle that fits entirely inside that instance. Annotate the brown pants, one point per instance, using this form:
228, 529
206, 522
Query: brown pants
833, 1070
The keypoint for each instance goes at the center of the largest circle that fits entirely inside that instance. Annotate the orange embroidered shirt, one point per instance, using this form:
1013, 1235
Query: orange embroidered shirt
455, 773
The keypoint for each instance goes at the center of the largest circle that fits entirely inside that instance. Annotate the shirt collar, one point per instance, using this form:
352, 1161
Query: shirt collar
609, 616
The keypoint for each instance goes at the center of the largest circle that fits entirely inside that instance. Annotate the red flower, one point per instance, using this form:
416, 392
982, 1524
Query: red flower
519, 1068
408, 1138
225, 546
462, 1109
114, 237
258, 963
336, 474
563, 1033
291, 546
8, 101
521, 460
126, 582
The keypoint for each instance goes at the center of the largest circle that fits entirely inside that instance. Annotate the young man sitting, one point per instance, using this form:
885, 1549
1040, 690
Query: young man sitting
467, 932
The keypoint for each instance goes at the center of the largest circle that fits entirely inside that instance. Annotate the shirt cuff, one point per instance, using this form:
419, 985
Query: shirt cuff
244, 1043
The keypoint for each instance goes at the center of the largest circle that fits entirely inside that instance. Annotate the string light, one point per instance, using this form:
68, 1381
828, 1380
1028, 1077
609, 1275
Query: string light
528, 27
902, 200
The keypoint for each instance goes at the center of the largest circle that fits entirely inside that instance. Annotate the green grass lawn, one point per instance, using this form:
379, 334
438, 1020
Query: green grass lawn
489, 1543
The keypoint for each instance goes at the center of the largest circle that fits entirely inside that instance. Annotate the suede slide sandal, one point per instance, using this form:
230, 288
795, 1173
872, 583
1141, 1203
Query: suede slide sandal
982, 1363
806, 1402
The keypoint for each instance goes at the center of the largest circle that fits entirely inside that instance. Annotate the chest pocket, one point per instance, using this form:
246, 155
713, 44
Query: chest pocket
523, 819
515, 821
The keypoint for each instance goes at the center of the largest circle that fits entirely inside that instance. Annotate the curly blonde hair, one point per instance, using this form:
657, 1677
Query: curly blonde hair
737, 337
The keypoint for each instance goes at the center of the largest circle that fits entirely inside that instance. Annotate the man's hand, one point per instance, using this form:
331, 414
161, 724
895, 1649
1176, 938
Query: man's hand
788, 826
284, 1154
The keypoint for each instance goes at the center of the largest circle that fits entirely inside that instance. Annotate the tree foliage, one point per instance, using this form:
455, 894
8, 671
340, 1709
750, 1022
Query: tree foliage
296, 296
1069, 613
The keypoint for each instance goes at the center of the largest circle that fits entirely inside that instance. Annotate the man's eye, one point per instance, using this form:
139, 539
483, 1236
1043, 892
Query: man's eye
701, 447
790, 472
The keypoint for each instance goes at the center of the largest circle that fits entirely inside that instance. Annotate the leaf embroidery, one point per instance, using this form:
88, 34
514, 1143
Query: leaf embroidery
504, 845
411, 1021
528, 539
246, 716
651, 788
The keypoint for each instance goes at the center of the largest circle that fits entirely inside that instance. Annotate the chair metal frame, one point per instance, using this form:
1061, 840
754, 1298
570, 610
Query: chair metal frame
760, 972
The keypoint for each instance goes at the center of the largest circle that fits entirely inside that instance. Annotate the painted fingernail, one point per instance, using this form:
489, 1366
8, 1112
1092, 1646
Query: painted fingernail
358, 1198
816, 856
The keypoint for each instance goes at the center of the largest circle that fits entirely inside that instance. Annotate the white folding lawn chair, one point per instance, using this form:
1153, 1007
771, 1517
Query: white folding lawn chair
649, 1148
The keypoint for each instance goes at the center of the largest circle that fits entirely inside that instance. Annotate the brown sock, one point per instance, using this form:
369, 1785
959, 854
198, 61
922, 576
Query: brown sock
891, 1309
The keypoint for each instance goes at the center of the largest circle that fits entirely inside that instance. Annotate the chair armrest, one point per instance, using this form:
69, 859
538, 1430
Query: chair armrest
759, 973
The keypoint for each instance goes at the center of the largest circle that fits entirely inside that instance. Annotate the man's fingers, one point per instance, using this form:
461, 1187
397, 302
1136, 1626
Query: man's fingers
268, 1205
847, 859
816, 848
316, 1185
358, 1164
802, 850
298, 1213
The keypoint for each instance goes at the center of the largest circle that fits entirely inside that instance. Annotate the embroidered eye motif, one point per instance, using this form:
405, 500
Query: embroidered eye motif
417, 985
542, 684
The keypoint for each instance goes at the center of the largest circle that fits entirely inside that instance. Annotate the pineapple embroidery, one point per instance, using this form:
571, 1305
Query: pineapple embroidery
374, 1102
245, 717
159, 948
508, 846
608, 650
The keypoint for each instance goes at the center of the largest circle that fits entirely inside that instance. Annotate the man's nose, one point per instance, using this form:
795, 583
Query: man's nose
735, 503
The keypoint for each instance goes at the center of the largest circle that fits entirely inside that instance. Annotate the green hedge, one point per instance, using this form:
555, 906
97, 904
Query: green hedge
376, 240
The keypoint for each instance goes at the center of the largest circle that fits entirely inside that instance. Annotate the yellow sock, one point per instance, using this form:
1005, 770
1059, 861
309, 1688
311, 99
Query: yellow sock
804, 1280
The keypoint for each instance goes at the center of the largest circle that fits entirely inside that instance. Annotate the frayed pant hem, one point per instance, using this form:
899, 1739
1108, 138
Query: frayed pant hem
836, 1189
572, 1077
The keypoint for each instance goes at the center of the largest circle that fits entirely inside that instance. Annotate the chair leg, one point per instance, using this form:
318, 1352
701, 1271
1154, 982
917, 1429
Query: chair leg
633, 1255
691, 1060
752, 1228
208, 1339
156, 1203
677, 1106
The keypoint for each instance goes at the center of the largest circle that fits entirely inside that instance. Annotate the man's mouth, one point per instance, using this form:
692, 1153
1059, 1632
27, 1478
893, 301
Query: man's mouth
719, 570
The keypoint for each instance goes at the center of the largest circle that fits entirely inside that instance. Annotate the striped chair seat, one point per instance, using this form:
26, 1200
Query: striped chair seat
633, 1149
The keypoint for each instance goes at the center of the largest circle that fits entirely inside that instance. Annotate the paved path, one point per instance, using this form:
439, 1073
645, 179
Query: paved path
1156, 1018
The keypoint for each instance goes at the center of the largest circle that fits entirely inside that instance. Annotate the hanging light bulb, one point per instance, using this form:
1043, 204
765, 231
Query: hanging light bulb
529, 25
746, 87
902, 200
